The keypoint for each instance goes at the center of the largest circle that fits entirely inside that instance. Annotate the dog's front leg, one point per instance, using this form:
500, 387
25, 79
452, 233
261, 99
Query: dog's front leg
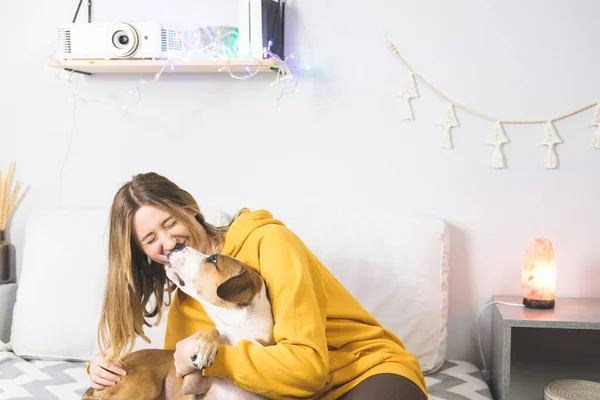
207, 346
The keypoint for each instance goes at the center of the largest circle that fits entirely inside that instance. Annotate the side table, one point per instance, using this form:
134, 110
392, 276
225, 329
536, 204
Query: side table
532, 348
8, 295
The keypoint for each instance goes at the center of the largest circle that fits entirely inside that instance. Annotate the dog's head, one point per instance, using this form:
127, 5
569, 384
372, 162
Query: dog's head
217, 279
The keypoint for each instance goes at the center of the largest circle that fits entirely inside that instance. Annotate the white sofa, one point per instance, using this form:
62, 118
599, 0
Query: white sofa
399, 273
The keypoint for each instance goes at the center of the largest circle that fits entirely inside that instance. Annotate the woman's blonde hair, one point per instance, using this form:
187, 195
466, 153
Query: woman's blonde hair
132, 276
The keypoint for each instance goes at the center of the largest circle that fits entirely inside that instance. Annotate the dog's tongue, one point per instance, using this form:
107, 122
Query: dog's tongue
172, 275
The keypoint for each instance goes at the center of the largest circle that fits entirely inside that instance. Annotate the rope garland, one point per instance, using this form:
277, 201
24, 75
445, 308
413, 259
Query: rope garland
499, 138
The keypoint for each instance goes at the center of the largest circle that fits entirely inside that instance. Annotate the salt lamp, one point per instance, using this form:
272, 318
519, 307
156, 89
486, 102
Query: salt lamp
538, 281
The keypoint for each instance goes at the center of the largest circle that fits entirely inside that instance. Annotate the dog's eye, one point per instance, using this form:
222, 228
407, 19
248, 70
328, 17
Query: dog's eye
212, 259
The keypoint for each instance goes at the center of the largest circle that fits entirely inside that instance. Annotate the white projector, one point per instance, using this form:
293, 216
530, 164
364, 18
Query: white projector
120, 40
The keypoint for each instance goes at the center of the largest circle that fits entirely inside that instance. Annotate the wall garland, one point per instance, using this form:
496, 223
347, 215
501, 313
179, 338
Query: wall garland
498, 137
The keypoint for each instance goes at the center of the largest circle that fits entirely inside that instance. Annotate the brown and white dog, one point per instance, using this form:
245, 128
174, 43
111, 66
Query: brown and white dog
235, 298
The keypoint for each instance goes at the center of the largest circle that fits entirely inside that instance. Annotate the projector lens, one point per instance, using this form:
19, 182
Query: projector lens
120, 39
124, 39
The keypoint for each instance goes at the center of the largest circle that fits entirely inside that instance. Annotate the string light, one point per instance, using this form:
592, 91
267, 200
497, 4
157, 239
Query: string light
210, 43
74, 101
219, 46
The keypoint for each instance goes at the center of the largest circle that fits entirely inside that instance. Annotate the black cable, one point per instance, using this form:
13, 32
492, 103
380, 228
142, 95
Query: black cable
89, 5
77, 11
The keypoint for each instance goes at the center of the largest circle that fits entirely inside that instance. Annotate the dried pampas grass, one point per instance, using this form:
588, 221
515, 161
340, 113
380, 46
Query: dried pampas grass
8, 197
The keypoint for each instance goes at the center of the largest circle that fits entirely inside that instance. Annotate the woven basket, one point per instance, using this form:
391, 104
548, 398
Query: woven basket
571, 389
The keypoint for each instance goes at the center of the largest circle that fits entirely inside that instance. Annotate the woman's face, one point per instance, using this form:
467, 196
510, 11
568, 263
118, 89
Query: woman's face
157, 232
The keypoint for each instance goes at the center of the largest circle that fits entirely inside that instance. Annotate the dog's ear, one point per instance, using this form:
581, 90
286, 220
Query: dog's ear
239, 289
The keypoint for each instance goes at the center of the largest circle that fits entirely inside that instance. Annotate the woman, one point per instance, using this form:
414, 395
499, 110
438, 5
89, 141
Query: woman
328, 345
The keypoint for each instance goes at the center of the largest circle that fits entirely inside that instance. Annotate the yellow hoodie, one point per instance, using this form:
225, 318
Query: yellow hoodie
327, 342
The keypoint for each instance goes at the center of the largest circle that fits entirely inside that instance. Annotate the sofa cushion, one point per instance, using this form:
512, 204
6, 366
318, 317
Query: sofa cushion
397, 268
61, 285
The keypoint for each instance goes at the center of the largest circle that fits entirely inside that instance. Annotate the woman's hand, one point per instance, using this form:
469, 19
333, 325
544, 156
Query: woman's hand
184, 349
104, 373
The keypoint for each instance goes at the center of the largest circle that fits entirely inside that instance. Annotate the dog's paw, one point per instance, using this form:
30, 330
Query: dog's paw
205, 355
207, 347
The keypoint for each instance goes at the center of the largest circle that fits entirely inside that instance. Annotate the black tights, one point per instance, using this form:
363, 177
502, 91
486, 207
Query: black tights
385, 387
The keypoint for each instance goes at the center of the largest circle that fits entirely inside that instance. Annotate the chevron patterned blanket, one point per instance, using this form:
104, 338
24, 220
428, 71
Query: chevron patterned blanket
457, 380
63, 380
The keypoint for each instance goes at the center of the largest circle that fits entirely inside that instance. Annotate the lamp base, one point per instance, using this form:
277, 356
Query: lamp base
538, 304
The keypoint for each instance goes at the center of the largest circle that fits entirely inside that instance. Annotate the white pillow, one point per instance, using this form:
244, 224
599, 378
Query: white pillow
61, 286
395, 265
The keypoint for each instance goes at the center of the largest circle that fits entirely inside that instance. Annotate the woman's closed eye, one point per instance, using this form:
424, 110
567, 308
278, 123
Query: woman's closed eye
150, 240
167, 224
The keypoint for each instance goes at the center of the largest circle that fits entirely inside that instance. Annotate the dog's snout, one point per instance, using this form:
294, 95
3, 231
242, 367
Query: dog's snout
178, 247
212, 259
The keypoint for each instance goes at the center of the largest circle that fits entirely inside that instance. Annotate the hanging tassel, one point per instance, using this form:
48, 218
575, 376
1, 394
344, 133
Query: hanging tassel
596, 140
498, 139
446, 142
596, 121
551, 157
407, 111
449, 121
549, 139
409, 91
498, 158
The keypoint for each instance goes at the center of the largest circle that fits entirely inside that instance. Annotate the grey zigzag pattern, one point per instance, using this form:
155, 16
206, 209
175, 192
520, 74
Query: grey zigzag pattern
453, 374
54, 375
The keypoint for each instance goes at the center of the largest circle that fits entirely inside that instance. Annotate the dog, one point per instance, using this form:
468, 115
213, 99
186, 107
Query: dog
235, 298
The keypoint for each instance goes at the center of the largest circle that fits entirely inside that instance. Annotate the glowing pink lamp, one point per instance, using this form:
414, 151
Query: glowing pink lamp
538, 281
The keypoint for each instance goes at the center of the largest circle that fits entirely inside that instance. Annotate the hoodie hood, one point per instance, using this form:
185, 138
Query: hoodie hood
243, 226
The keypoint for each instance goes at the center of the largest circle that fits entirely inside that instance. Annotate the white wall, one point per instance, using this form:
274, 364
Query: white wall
338, 144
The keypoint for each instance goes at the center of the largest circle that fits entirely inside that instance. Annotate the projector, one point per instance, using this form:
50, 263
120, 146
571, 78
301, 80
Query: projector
119, 40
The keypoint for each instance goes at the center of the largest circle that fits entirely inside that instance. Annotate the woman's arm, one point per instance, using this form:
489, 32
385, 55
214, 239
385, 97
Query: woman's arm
186, 317
297, 366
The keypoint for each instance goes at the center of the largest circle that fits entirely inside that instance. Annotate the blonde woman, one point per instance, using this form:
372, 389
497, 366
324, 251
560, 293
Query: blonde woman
328, 345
